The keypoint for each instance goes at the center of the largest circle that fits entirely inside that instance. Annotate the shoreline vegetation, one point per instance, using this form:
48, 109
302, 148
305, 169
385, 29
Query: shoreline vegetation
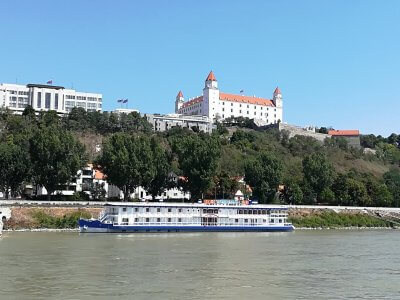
60, 219
325, 220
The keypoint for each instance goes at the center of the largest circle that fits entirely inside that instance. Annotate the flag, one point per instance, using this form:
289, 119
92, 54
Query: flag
241, 91
50, 82
120, 100
125, 101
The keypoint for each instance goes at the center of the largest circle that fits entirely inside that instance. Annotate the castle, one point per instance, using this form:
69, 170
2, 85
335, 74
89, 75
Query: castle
217, 105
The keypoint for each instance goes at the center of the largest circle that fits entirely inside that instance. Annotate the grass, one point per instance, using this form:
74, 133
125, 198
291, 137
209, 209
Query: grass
66, 221
333, 219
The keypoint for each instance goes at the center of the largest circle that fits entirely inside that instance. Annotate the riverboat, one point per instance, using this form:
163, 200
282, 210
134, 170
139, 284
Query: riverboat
186, 217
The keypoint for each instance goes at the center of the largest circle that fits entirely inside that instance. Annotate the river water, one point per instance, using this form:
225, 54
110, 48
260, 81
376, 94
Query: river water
317, 264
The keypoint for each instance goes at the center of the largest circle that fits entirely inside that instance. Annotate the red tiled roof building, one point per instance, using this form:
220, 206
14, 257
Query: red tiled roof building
218, 105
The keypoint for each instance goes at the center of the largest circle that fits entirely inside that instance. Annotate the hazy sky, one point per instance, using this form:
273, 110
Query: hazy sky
337, 63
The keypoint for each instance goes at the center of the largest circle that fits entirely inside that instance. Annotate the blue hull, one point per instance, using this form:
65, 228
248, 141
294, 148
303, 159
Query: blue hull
96, 226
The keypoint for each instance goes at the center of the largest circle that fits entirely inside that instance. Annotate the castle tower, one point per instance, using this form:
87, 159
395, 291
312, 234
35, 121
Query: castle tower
210, 95
179, 101
277, 98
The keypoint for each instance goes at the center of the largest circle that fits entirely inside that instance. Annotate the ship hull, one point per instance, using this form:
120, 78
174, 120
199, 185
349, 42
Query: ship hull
95, 226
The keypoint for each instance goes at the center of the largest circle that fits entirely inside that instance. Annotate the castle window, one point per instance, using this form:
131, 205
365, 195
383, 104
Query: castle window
231, 104
231, 110
247, 112
254, 113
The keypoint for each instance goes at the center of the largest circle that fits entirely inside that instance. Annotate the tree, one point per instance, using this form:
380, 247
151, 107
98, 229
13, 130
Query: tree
318, 172
126, 160
197, 156
162, 168
56, 157
358, 194
392, 180
14, 166
225, 185
263, 174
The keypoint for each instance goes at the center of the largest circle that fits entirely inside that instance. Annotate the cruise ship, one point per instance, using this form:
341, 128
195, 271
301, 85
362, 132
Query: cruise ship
217, 215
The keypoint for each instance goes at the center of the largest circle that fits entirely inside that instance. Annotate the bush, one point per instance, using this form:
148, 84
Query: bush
66, 221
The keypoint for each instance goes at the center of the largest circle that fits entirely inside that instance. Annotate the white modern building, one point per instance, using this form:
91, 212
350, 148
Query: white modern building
166, 122
217, 105
46, 97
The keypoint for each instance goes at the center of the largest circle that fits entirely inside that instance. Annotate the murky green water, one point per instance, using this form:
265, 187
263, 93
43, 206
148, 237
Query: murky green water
298, 265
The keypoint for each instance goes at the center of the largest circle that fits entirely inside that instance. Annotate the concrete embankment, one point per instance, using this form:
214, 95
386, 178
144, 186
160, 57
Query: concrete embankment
36, 215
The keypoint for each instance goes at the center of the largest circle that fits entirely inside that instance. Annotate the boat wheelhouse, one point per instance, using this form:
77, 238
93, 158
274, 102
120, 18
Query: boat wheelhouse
177, 217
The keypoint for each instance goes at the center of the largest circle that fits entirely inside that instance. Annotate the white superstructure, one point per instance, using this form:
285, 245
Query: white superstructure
46, 97
218, 105
224, 215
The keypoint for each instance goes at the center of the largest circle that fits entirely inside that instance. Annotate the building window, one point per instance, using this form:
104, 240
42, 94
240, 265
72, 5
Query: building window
56, 101
47, 100
39, 99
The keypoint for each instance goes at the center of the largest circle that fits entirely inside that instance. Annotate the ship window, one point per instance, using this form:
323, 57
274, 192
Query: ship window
180, 210
264, 211
158, 209
136, 219
147, 219
272, 221
250, 212
246, 220
236, 220
179, 220
240, 211
259, 212
169, 210
125, 220
215, 211
169, 219
147, 209
136, 209
158, 220
124, 209
265, 221
280, 220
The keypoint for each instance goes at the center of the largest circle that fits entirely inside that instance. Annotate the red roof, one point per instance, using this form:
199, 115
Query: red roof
98, 175
277, 91
180, 94
193, 101
245, 99
211, 77
344, 132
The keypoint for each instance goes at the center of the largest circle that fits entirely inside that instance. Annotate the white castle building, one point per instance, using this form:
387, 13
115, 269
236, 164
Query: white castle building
46, 97
218, 105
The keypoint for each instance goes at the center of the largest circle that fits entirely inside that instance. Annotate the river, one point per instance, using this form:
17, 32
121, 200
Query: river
315, 264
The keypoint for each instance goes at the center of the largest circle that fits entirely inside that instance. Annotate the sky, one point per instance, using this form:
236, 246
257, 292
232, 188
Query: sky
336, 62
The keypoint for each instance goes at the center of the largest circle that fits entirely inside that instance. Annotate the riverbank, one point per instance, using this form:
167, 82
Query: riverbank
55, 216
